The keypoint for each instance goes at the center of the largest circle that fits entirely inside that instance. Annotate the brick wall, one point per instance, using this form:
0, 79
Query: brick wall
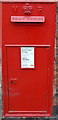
56, 66
0, 30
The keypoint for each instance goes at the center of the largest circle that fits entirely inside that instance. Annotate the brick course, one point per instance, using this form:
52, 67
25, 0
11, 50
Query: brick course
56, 61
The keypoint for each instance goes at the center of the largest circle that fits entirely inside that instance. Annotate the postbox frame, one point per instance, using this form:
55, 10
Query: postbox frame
5, 89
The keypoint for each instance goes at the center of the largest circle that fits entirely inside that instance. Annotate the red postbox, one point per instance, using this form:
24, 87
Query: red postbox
28, 38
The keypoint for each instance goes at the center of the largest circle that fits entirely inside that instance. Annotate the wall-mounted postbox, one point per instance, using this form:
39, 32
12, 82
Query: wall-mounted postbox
28, 37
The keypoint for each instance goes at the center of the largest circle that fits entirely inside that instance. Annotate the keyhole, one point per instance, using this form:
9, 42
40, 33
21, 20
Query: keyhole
12, 82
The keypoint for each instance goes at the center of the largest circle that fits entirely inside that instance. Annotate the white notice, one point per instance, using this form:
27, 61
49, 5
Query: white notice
27, 57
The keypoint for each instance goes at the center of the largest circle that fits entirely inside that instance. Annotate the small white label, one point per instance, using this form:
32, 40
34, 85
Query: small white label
27, 19
27, 57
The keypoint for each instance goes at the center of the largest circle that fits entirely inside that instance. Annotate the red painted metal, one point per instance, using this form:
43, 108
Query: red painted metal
28, 92
27, 9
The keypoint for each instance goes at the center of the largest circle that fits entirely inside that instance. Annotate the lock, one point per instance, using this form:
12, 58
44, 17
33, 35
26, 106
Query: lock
13, 80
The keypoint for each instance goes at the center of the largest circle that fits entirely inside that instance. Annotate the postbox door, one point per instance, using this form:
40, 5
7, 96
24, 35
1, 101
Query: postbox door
28, 87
